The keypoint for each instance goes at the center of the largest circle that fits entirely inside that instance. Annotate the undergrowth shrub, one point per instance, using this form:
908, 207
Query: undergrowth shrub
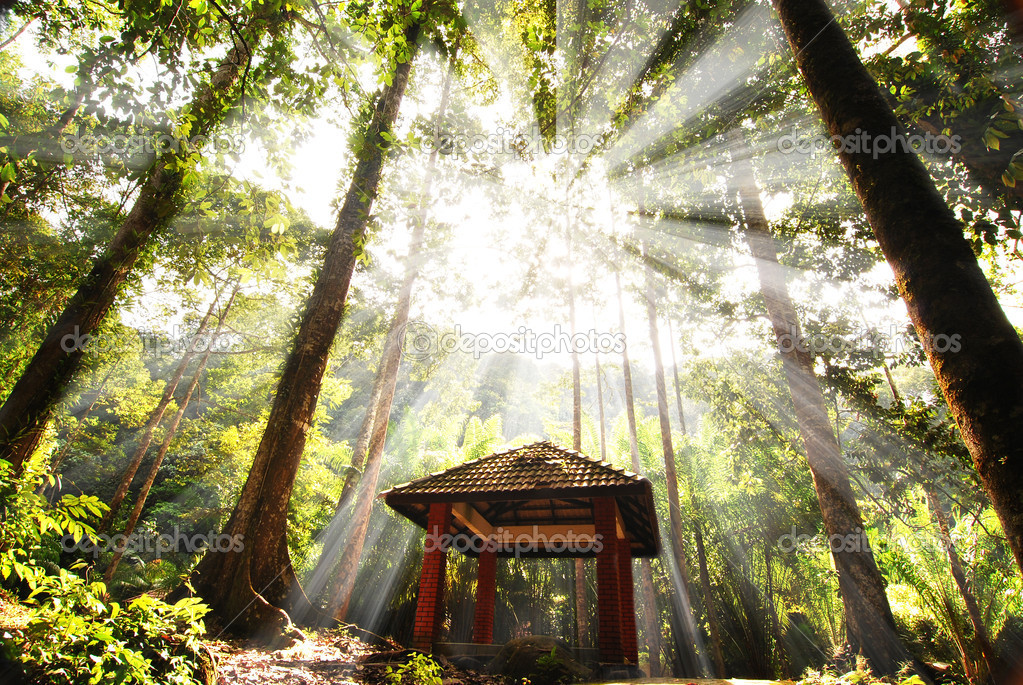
31, 531
420, 669
78, 638
76, 635
860, 674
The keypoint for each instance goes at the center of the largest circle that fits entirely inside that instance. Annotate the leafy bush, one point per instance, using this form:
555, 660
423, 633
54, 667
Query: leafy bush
860, 675
420, 669
550, 669
134, 576
29, 531
76, 637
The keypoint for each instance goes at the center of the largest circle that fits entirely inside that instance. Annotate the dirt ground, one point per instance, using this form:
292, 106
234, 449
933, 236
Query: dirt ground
324, 657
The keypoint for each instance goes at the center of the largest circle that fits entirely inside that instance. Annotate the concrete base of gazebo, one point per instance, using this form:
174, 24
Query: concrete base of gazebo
587, 656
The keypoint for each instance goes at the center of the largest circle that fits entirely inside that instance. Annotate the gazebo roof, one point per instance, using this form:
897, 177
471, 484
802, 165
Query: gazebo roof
536, 490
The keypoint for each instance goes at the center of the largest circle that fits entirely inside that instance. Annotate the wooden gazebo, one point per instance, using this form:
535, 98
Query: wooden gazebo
542, 501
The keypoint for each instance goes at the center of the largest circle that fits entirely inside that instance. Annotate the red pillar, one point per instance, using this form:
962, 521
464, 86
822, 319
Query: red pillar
630, 646
486, 590
430, 603
609, 613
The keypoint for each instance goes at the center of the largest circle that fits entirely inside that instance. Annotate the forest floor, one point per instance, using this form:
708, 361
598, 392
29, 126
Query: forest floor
327, 658
323, 657
13, 616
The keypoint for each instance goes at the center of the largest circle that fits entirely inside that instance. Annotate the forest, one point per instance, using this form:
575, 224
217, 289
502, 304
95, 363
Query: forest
262, 261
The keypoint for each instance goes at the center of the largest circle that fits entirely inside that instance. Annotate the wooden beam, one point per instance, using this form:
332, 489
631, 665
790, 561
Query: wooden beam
465, 514
469, 517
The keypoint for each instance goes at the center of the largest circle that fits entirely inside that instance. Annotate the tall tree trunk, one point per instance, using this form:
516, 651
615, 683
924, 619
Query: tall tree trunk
651, 622
896, 397
708, 600
600, 411
249, 589
344, 584
378, 412
355, 469
85, 85
73, 435
17, 33
172, 429
24, 414
154, 422
582, 622
630, 405
976, 354
701, 554
778, 656
22, 144
343, 524
870, 626
678, 384
980, 634
577, 402
671, 479
984, 165
1014, 15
